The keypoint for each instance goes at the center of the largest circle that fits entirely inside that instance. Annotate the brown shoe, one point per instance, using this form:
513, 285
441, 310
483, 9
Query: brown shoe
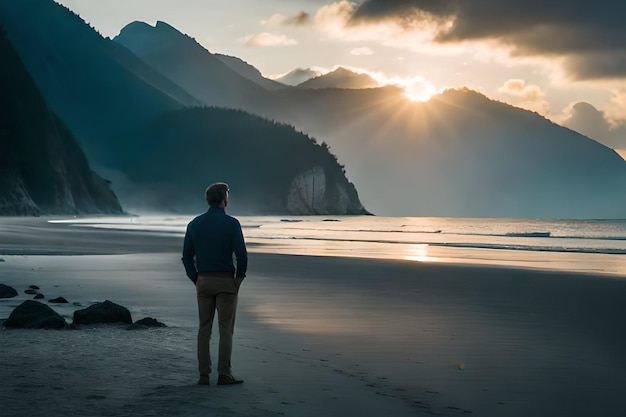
228, 380
204, 380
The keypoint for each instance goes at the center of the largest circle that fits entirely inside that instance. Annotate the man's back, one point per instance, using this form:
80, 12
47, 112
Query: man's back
211, 239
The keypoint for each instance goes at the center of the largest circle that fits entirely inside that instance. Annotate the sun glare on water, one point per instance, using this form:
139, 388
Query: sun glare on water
419, 253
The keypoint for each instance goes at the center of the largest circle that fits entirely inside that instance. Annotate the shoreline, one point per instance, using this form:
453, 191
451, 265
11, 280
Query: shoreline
33, 236
315, 336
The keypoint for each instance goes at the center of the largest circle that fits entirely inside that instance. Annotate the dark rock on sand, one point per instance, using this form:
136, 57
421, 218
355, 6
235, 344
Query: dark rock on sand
146, 322
34, 287
30, 291
101, 313
7, 292
58, 300
34, 315
38, 297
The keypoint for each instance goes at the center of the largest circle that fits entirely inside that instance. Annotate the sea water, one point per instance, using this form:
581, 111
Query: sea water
597, 246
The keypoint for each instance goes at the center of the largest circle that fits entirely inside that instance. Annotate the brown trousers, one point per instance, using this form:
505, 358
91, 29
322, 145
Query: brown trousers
216, 291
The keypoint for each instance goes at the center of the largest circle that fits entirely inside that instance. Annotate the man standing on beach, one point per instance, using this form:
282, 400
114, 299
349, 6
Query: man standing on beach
210, 241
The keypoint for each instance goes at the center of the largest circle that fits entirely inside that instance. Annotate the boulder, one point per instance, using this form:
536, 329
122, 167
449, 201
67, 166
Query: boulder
30, 291
34, 287
58, 300
101, 313
7, 292
34, 315
38, 296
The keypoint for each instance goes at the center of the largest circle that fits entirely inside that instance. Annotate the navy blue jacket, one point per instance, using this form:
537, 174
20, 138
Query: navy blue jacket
210, 241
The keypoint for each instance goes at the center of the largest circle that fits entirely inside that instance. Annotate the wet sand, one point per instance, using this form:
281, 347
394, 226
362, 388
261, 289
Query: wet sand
315, 335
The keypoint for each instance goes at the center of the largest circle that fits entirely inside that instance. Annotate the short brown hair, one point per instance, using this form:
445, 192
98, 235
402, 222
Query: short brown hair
216, 193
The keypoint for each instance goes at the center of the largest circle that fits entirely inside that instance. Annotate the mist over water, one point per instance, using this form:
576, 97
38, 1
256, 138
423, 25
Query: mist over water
597, 246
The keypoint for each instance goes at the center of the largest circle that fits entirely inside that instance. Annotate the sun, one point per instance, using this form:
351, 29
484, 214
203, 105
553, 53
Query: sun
418, 89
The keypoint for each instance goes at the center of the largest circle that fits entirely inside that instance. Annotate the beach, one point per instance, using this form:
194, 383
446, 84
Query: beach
315, 335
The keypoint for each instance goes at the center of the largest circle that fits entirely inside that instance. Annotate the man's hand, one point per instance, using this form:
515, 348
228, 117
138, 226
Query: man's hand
238, 282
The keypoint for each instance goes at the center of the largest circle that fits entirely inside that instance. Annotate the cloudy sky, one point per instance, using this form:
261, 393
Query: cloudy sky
565, 59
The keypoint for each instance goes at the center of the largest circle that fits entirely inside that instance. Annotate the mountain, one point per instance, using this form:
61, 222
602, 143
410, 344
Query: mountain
190, 65
340, 78
271, 168
459, 154
298, 76
99, 88
248, 71
42, 169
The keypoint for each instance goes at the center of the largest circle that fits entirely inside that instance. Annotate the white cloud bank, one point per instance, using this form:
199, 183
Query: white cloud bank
528, 96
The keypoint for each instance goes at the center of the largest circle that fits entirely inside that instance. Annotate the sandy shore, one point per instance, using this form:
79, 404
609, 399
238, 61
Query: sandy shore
315, 336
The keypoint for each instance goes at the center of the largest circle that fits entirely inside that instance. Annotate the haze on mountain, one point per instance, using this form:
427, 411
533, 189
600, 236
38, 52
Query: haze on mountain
298, 76
42, 168
460, 154
340, 78
248, 71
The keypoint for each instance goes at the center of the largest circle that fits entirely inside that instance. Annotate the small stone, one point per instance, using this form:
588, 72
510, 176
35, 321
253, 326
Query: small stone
34, 287
150, 322
146, 322
7, 292
30, 291
38, 297
58, 300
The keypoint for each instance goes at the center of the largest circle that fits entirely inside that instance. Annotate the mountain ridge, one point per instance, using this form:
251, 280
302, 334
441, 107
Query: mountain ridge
340, 78
297, 76
250, 72
191, 66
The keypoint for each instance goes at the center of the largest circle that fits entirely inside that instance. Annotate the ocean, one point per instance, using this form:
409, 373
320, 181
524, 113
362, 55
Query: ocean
596, 246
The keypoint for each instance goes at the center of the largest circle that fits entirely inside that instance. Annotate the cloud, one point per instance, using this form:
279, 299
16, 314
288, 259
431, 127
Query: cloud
589, 36
267, 39
274, 20
530, 96
362, 51
591, 122
336, 21
616, 109
299, 19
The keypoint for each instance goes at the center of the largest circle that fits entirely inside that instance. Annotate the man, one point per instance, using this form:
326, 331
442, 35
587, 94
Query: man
210, 241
